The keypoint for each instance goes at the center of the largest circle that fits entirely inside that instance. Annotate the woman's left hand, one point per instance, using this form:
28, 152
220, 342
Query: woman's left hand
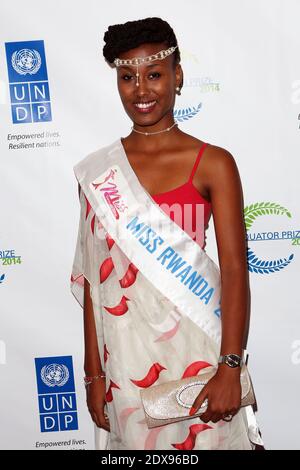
223, 392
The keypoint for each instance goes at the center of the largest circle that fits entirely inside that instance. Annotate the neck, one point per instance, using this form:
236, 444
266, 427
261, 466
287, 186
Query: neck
159, 140
152, 143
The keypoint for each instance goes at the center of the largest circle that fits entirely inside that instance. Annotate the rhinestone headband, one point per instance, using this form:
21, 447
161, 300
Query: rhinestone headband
144, 60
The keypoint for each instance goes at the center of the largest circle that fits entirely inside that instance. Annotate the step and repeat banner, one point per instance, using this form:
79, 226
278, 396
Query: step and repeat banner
59, 102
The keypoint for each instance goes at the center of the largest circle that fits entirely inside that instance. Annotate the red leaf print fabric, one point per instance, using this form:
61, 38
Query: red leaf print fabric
119, 309
106, 353
194, 368
109, 395
189, 442
110, 242
129, 277
93, 224
151, 377
106, 268
88, 207
125, 414
150, 442
168, 334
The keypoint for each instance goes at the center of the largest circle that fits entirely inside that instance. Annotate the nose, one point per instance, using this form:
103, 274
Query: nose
143, 85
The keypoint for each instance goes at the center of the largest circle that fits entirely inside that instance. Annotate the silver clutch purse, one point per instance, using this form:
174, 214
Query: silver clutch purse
171, 401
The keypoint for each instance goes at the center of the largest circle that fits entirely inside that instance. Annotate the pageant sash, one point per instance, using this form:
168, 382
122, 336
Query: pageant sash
164, 253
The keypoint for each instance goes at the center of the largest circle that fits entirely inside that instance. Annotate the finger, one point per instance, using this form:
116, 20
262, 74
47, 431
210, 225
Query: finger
216, 417
95, 418
200, 400
234, 411
206, 417
104, 420
227, 416
105, 426
100, 419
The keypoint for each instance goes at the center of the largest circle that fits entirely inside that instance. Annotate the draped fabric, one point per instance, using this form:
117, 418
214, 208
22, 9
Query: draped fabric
143, 339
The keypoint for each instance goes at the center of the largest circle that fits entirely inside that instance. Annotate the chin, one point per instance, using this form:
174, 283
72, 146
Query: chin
145, 120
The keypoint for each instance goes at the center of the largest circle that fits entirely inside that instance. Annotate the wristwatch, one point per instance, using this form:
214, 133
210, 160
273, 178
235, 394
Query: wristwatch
232, 360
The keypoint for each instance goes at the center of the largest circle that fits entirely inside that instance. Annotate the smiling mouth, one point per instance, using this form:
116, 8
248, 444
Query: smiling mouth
147, 105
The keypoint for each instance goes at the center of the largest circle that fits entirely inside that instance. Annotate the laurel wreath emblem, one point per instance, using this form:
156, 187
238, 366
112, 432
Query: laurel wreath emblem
263, 208
256, 265
187, 113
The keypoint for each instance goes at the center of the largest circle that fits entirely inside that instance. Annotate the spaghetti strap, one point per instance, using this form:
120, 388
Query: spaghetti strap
197, 161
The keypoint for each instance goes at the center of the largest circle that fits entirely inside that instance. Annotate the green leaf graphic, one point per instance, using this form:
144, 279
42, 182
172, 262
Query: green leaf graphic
263, 208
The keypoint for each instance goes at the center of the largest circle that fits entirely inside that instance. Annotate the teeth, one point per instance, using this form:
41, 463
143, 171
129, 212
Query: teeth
145, 105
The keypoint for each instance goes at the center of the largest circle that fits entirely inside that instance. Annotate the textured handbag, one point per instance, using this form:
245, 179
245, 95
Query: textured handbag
171, 401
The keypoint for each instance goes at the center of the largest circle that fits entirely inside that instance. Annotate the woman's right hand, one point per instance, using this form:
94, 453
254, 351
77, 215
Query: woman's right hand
95, 398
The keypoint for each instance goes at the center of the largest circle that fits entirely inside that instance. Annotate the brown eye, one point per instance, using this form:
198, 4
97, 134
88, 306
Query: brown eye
154, 74
126, 77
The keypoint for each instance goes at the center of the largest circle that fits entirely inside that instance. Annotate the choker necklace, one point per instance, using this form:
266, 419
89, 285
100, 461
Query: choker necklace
157, 132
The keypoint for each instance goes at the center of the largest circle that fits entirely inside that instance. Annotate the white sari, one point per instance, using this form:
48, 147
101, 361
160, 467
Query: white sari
156, 298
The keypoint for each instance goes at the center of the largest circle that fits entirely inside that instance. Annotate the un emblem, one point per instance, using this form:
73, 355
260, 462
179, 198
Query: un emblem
26, 61
55, 375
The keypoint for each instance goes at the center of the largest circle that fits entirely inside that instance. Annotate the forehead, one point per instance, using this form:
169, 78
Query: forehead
144, 50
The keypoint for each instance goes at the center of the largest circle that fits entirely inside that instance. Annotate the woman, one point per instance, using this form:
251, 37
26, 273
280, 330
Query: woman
137, 332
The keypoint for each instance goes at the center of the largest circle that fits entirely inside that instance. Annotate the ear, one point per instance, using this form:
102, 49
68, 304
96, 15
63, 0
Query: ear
179, 75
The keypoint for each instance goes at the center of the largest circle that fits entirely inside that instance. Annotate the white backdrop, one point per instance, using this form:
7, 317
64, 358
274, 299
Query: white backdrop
242, 79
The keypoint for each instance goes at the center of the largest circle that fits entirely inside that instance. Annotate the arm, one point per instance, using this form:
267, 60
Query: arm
96, 391
227, 208
225, 190
92, 363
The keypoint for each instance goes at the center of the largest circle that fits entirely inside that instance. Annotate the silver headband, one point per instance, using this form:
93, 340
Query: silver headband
144, 60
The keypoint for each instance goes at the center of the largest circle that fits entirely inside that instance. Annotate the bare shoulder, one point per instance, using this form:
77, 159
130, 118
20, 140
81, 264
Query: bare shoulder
219, 156
214, 157
217, 163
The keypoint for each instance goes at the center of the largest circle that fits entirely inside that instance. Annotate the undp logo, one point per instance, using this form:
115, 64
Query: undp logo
56, 394
28, 82
55, 375
26, 61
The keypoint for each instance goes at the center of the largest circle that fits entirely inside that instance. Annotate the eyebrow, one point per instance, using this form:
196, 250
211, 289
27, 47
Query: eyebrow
134, 66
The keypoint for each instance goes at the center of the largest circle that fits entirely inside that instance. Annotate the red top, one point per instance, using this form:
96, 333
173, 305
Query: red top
186, 206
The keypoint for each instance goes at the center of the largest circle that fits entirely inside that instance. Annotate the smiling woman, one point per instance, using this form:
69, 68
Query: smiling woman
156, 75
148, 69
147, 316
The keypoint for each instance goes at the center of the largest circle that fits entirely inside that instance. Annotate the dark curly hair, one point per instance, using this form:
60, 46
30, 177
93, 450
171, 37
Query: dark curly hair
123, 37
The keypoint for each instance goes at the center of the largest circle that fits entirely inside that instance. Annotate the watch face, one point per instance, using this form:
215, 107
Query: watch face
233, 360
